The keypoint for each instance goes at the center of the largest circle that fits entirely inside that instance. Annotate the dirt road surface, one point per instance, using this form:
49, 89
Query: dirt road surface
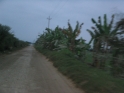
28, 71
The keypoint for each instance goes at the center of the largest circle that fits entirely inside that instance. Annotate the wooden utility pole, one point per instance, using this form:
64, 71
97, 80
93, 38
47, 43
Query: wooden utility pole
49, 21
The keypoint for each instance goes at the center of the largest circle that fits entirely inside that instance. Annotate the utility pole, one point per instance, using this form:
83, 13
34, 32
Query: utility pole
68, 20
49, 21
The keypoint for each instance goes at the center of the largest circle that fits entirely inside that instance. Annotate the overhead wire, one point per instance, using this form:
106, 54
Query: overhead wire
58, 9
55, 7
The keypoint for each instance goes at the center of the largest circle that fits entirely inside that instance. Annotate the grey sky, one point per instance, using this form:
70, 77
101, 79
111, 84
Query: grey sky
28, 18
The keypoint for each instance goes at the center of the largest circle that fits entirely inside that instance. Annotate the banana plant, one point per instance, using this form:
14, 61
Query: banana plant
71, 35
100, 35
117, 66
102, 31
50, 39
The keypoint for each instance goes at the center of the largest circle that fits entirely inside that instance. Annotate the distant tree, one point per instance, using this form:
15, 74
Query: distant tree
8, 40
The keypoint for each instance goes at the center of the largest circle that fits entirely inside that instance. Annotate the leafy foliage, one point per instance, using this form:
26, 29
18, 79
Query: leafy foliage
51, 38
100, 36
107, 54
8, 41
102, 32
63, 38
72, 34
117, 44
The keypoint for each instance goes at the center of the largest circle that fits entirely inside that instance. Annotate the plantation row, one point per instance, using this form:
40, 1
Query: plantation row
8, 41
92, 68
107, 41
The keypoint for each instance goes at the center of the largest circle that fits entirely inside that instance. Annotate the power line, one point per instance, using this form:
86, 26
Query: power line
60, 8
55, 7
52, 13
56, 11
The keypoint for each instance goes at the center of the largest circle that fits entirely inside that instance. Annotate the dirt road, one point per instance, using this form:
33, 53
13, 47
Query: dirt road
27, 71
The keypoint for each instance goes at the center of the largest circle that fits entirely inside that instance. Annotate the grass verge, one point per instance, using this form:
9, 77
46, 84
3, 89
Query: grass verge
89, 79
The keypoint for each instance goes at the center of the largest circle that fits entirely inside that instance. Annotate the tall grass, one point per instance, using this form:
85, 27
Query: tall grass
89, 79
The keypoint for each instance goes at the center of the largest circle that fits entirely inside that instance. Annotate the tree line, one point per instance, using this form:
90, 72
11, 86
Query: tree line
8, 41
107, 38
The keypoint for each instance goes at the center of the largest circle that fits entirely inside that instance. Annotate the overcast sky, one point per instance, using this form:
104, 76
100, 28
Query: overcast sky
28, 18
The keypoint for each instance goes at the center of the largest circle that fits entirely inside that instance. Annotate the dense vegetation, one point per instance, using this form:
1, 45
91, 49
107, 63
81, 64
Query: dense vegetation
8, 41
98, 71
89, 79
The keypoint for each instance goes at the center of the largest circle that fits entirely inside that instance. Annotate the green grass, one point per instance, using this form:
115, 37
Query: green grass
87, 78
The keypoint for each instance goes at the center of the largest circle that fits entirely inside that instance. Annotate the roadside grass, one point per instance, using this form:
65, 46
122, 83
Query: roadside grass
90, 79
108, 58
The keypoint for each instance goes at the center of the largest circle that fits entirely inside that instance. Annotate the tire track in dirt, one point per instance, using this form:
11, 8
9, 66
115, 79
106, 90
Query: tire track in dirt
28, 71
